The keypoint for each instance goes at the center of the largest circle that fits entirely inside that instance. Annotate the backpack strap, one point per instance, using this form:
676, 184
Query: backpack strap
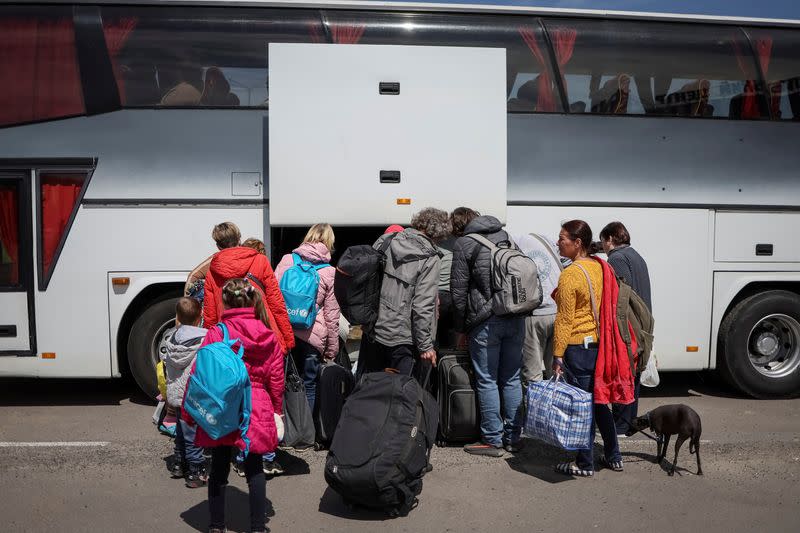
227, 340
549, 249
386, 242
257, 282
591, 298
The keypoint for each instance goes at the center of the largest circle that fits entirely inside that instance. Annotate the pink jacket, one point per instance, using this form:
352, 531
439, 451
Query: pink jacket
324, 334
264, 360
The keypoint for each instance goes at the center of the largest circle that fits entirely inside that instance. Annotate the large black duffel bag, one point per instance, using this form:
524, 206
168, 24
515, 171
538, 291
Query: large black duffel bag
357, 282
381, 448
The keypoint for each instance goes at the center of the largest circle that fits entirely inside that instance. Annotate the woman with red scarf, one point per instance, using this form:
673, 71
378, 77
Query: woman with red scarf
586, 342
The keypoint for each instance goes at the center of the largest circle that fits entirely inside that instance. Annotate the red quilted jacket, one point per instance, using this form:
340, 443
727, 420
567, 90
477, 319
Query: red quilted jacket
613, 379
237, 262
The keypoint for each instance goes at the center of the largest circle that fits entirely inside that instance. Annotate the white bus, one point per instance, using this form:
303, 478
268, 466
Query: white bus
127, 130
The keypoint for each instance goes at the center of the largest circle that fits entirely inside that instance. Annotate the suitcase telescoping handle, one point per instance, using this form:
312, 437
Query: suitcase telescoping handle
427, 370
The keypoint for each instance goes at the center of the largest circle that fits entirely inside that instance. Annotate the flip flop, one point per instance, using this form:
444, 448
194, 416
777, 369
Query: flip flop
571, 469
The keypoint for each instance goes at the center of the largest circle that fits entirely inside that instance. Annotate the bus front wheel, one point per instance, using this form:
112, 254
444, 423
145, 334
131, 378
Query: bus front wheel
148, 333
759, 345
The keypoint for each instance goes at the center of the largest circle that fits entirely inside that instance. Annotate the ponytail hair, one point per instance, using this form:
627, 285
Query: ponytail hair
240, 293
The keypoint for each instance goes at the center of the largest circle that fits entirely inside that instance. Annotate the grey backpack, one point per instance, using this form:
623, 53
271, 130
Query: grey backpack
515, 284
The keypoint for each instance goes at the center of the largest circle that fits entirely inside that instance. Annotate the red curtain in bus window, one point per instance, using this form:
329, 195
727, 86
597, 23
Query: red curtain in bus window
546, 99
9, 230
749, 95
59, 199
38, 71
117, 34
347, 33
563, 40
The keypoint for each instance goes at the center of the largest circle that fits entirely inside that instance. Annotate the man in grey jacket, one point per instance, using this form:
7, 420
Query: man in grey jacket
406, 327
537, 351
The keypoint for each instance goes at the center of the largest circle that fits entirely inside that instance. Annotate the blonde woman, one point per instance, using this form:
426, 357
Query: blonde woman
320, 341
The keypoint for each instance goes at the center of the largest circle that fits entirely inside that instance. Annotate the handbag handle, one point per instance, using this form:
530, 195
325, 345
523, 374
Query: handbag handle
591, 298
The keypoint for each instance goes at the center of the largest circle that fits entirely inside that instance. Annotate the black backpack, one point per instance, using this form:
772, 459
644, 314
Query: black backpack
357, 283
381, 448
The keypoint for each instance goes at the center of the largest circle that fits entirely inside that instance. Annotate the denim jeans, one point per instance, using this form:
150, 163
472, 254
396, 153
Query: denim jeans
307, 360
496, 351
184, 443
218, 480
579, 363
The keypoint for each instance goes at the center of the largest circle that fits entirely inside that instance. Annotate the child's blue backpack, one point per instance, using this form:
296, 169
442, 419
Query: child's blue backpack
299, 286
218, 392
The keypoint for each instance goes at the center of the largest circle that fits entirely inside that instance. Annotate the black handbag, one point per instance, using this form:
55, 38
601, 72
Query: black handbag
297, 419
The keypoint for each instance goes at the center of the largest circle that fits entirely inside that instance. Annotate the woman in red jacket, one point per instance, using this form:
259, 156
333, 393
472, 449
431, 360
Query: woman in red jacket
246, 320
234, 261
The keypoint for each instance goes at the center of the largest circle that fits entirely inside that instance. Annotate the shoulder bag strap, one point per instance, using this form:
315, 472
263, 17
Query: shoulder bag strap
482, 240
549, 249
257, 282
591, 297
386, 242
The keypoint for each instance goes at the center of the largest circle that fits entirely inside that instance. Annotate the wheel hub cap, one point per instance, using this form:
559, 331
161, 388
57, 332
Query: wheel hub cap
774, 345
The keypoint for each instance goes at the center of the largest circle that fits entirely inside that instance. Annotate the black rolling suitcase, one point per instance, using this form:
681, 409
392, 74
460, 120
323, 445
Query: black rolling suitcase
335, 382
459, 417
381, 448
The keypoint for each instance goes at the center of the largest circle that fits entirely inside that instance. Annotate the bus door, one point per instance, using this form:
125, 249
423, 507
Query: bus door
16, 266
364, 135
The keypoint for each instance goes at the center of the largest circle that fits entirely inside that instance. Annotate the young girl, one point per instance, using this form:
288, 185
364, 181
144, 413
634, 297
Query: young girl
246, 319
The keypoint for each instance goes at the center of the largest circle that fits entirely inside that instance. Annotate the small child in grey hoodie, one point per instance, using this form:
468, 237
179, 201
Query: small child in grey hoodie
181, 350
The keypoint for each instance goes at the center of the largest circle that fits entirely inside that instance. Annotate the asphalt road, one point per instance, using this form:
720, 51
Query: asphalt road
750, 451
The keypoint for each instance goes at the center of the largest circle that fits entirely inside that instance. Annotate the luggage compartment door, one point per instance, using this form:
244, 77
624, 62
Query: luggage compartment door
16, 266
370, 134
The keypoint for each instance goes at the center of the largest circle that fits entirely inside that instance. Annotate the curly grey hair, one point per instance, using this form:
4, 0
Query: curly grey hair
433, 222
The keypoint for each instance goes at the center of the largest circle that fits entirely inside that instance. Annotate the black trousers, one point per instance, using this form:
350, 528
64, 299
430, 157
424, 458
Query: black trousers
256, 483
625, 413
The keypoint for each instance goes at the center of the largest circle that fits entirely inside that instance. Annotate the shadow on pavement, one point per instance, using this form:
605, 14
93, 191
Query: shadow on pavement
34, 392
292, 464
688, 384
332, 504
538, 459
665, 464
237, 512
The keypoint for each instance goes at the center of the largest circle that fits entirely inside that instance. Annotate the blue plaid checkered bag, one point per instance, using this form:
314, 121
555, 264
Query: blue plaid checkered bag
559, 414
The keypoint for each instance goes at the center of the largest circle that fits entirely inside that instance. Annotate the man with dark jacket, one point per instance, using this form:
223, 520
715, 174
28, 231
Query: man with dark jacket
406, 327
495, 342
628, 265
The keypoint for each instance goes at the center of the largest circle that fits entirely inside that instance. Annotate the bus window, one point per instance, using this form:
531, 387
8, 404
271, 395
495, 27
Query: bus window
59, 196
168, 57
529, 81
673, 69
779, 53
9, 235
38, 65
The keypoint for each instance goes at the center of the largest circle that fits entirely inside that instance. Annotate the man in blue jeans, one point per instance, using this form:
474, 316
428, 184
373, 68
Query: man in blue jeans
495, 342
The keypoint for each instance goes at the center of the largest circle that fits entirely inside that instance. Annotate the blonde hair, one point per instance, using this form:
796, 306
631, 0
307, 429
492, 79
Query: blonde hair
226, 235
255, 244
321, 233
239, 292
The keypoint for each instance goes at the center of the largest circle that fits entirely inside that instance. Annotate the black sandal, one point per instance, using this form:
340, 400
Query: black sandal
571, 469
616, 466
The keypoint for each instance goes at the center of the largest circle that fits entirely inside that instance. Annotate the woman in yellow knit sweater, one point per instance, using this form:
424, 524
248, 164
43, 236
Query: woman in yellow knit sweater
576, 336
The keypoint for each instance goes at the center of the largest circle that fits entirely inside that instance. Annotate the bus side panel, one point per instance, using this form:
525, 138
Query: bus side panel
73, 314
757, 237
677, 247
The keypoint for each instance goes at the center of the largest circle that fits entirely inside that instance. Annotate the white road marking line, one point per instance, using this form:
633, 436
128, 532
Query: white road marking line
57, 444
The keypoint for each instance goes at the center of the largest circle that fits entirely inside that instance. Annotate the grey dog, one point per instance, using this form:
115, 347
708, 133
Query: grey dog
668, 420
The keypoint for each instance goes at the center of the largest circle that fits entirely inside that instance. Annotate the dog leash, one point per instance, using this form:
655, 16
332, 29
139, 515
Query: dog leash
649, 436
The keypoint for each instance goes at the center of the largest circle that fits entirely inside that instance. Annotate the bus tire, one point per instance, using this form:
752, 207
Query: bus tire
147, 333
759, 345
